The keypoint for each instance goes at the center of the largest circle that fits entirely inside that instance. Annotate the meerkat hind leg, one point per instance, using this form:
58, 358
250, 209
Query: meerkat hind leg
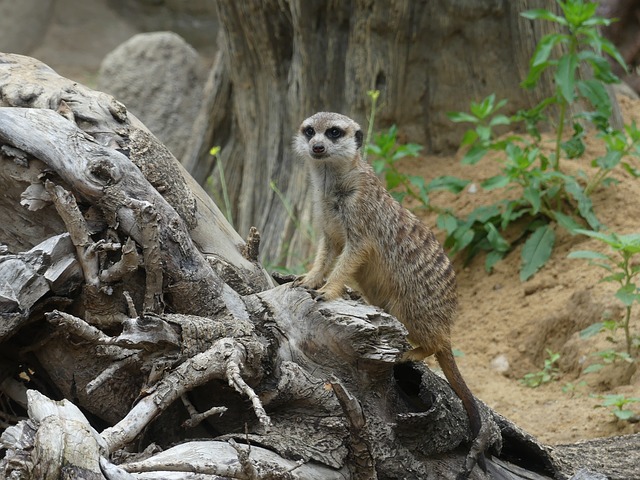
415, 355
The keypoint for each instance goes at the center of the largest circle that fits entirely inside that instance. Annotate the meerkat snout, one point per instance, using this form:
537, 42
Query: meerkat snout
318, 149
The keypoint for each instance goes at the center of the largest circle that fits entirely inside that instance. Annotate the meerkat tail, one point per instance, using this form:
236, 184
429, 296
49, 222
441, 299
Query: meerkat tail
449, 367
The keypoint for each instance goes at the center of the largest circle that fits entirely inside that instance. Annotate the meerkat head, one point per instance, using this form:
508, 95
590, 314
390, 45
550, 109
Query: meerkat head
328, 136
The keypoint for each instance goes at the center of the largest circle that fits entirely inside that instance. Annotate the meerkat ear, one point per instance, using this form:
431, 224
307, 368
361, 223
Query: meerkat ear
359, 138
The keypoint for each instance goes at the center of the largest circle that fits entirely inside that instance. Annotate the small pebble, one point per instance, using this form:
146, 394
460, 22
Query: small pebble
500, 364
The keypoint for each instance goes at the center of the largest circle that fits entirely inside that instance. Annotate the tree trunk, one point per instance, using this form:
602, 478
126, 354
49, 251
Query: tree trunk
281, 61
124, 290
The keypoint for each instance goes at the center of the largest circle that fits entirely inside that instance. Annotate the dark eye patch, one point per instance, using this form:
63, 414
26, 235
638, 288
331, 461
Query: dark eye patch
334, 132
308, 132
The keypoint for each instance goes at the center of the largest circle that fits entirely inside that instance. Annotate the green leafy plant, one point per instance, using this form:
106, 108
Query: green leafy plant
573, 389
547, 196
623, 271
387, 151
548, 373
618, 404
607, 357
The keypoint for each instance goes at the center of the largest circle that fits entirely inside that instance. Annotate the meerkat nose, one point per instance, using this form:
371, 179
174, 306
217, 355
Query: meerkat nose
318, 148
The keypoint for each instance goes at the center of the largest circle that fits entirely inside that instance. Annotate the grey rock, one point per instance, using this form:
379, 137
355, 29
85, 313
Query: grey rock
159, 77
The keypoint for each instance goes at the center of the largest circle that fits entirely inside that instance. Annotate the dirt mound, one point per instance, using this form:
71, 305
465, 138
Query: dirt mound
505, 326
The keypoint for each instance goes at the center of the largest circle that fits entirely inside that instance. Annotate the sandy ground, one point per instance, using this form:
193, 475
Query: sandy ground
504, 321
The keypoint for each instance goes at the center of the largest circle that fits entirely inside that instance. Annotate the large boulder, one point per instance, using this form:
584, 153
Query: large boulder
159, 77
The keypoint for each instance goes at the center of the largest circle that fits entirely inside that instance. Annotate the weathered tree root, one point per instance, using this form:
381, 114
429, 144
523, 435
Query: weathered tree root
221, 361
363, 461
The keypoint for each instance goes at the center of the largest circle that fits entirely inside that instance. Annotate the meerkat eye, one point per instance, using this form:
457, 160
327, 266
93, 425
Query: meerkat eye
334, 132
309, 132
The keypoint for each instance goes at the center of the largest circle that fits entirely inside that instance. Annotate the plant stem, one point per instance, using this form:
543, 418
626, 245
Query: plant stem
627, 317
563, 112
225, 194
374, 94
627, 333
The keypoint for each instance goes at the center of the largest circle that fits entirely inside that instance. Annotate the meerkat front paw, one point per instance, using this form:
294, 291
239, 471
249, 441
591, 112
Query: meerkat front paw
329, 292
309, 281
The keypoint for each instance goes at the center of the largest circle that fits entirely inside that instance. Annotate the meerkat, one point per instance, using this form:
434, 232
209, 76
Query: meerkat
370, 242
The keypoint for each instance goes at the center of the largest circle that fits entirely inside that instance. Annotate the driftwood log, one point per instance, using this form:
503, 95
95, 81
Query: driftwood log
141, 338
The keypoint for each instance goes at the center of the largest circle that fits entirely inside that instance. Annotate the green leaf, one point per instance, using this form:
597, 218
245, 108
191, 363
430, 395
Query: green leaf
484, 214
611, 49
484, 133
459, 117
417, 181
448, 183
623, 414
492, 258
545, 46
542, 14
447, 222
630, 243
567, 222
609, 160
595, 21
578, 12
463, 237
585, 206
536, 251
566, 76
595, 367
513, 210
591, 330
574, 147
399, 196
532, 195
610, 239
499, 181
631, 169
469, 137
374, 149
600, 65
485, 107
474, 155
496, 240
393, 179
627, 294
588, 254
407, 150
613, 400
534, 75
499, 120
379, 166
616, 277
596, 93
